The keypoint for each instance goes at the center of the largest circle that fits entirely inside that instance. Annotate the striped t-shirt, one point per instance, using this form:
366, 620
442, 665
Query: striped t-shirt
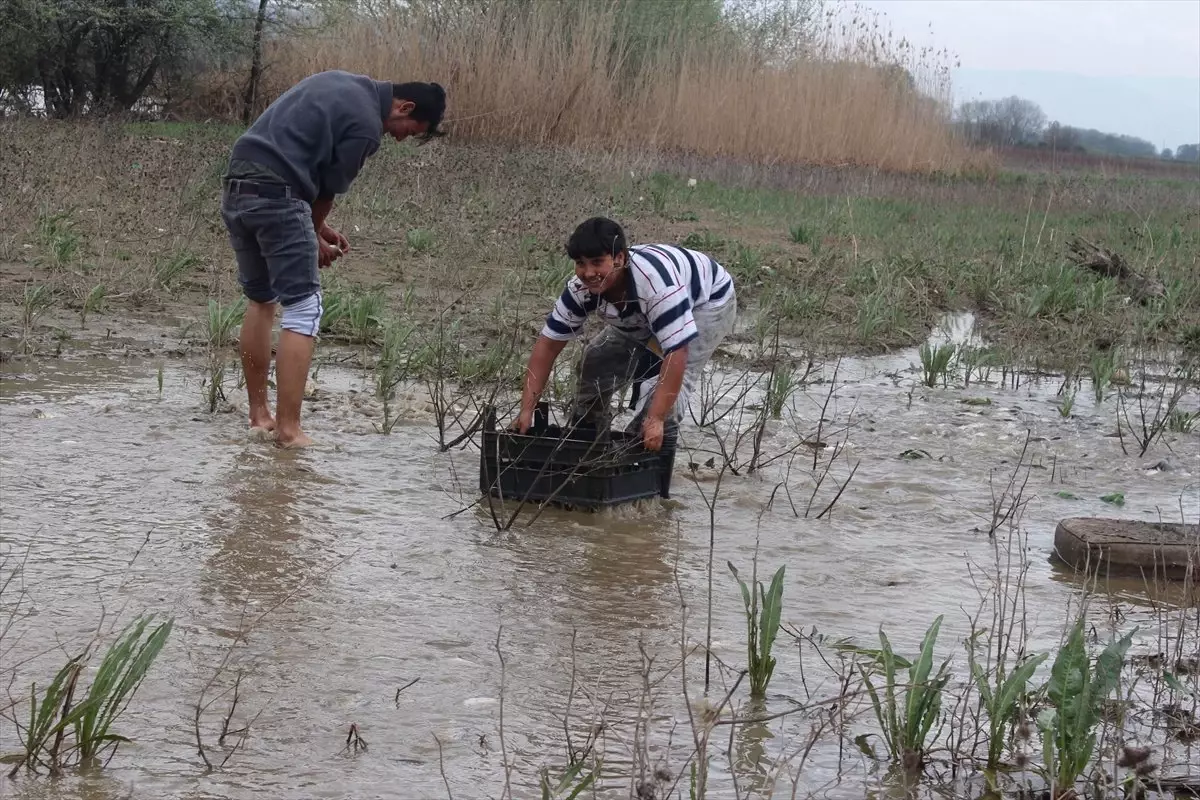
664, 284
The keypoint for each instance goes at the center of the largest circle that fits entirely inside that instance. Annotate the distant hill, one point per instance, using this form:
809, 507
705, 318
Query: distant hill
1163, 111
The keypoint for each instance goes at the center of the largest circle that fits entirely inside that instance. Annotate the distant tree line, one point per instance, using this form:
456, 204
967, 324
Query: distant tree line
1017, 122
1185, 152
71, 57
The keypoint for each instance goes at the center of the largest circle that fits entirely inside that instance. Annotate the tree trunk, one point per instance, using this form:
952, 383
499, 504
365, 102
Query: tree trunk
255, 64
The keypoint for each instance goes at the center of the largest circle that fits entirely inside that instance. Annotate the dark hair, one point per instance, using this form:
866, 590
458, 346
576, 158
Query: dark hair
430, 101
598, 236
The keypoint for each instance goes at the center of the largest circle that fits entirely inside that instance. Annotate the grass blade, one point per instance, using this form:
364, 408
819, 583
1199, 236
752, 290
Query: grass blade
118, 677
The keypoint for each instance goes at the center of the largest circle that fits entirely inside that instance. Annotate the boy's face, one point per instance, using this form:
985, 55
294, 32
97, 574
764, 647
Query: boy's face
599, 273
399, 125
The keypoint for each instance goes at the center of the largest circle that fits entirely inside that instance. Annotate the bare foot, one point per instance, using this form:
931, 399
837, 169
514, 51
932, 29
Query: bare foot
262, 421
262, 435
296, 441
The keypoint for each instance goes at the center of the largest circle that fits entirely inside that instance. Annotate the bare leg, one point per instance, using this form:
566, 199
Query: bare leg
256, 361
291, 371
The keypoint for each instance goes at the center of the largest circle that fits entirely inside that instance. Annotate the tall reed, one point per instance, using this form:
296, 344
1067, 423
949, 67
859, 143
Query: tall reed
795, 85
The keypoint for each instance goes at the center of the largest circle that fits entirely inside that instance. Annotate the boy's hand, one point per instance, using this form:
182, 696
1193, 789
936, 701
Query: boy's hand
335, 238
652, 433
331, 246
522, 423
326, 253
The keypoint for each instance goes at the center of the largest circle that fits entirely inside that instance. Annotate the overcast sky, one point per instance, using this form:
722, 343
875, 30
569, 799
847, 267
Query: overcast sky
1125, 66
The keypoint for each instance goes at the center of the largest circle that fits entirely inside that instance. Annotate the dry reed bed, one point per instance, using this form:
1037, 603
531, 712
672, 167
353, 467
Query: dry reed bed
549, 73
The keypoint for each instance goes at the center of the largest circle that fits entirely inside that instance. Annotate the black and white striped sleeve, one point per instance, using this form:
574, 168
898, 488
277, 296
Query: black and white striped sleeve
666, 299
565, 320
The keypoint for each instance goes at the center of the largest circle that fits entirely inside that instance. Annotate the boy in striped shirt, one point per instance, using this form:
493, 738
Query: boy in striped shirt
658, 301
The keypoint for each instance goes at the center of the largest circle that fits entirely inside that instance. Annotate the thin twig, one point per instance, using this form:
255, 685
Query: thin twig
245, 733
841, 489
402, 688
237, 685
503, 746
442, 768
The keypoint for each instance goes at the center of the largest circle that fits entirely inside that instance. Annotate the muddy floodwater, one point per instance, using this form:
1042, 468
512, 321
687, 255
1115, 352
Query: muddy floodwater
351, 576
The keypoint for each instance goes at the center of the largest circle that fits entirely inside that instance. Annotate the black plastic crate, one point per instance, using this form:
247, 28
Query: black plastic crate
575, 469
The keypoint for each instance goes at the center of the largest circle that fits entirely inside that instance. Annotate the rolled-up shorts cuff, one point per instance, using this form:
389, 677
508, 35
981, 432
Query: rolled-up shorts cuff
304, 316
258, 296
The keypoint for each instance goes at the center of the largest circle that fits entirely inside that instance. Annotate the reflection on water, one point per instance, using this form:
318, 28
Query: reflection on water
1147, 592
614, 564
366, 568
752, 759
266, 537
957, 329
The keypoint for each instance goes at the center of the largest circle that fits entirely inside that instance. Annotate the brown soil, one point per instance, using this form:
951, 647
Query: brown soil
123, 207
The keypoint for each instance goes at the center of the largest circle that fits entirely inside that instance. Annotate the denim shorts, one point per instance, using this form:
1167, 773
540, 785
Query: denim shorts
275, 244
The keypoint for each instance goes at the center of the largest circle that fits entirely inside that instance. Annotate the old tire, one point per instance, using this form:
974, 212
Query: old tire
1129, 547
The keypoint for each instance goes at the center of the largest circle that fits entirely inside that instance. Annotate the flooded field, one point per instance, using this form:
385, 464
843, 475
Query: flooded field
358, 583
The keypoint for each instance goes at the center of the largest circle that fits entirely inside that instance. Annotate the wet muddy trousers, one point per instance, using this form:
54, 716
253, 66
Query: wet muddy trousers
613, 361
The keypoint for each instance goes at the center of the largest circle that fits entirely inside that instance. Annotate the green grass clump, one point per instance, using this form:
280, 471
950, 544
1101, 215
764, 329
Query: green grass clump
1103, 367
880, 315
421, 240
801, 234
175, 266
935, 363
56, 233
1077, 691
906, 713
1001, 694
364, 315
704, 242
392, 368
783, 384
763, 609
574, 782
61, 731
1067, 405
1179, 421
93, 302
222, 320
120, 674
35, 302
